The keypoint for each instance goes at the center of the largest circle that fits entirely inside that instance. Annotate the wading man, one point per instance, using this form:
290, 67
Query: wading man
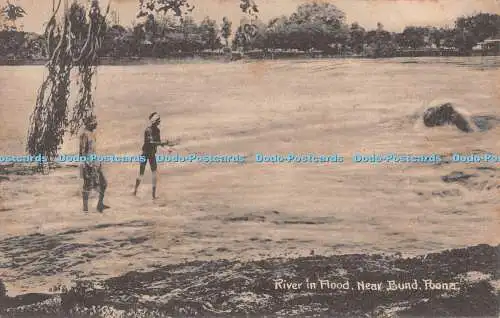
91, 171
151, 141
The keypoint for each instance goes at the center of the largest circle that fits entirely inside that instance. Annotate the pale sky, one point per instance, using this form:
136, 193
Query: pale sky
394, 14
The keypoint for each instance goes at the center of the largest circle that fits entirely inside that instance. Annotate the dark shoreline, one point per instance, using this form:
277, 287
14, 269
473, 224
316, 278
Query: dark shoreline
231, 288
168, 60
222, 58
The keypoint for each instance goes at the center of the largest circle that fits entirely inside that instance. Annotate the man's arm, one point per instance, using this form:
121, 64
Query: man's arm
157, 141
170, 143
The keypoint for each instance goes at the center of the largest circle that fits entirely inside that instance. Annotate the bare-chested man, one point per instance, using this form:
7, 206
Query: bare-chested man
91, 171
151, 141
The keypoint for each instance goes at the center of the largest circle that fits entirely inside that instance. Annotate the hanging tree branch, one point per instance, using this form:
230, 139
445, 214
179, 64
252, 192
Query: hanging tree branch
74, 43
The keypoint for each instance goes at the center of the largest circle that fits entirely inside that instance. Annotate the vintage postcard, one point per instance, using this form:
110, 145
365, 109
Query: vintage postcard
249, 158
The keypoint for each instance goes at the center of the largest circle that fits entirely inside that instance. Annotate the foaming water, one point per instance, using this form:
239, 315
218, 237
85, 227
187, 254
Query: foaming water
478, 123
273, 107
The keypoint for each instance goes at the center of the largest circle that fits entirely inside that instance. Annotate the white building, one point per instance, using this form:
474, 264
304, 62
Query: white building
490, 45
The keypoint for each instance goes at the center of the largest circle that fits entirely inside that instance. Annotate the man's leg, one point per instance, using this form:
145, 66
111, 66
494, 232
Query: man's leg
142, 168
85, 195
86, 189
152, 163
103, 184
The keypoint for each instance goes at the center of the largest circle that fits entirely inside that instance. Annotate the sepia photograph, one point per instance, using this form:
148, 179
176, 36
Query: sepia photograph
249, 158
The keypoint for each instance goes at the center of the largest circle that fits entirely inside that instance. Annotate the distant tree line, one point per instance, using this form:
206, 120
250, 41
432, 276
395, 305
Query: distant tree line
164, 36
322, 27
313, 27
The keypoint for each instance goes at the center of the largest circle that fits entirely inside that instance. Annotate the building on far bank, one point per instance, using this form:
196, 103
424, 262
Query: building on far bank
490, 46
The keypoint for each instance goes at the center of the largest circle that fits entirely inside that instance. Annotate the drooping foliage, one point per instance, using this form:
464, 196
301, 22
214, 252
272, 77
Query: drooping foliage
72, 44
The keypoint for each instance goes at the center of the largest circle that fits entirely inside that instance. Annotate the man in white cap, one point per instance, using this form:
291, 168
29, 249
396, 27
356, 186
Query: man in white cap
151, 141
93, 177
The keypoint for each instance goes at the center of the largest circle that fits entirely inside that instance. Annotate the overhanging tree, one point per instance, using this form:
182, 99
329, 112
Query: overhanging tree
73, 43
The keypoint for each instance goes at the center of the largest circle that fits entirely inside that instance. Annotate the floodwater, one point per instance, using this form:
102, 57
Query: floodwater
254, 210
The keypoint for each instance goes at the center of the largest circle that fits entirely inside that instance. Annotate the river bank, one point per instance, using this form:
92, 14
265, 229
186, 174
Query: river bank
457, 282
235, 56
